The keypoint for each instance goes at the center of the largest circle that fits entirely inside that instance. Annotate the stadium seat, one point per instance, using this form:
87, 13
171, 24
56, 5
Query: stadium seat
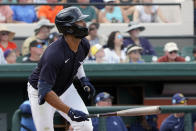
187, 51
159, 50
147, 58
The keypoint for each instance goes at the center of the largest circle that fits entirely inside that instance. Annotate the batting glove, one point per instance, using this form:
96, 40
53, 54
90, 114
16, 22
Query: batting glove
76, 115
88, 87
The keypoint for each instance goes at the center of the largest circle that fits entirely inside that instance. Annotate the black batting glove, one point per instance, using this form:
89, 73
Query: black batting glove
88, 87
76, 115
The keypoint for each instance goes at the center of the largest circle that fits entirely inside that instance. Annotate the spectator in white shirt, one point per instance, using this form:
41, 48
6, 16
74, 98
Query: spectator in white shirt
114, 53
148, 14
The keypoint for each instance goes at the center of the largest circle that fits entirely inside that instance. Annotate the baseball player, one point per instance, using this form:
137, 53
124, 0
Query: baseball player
50, 85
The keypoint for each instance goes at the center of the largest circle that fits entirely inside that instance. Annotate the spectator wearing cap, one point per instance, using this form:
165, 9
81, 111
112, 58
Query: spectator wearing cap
87, 10
93, 37
10, 56
97, 53
134, 54
42, 32
2, 58
171, 53
24, 13
114, 51
49, 12
5, 13
6, 36
36, 50
112, 14
113, 123
134, 30
175, 122
148, 14
194, 54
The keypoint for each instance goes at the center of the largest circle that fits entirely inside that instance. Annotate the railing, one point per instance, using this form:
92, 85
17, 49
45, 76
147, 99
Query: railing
164, 109
95, 4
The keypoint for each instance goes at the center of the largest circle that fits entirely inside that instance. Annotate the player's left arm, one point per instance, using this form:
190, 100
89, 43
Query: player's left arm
84, 82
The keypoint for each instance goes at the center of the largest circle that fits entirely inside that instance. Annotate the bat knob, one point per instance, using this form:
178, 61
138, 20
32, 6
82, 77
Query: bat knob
87, 88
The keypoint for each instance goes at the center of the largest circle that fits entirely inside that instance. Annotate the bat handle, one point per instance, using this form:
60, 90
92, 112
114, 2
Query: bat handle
92, 115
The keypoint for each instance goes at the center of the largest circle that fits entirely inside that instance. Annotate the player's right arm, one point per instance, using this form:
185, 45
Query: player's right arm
54, 101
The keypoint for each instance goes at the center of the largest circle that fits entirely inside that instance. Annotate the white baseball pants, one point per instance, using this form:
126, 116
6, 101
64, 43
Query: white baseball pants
43, 114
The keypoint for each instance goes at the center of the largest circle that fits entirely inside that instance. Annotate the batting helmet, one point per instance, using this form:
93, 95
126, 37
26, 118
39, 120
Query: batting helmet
65, 22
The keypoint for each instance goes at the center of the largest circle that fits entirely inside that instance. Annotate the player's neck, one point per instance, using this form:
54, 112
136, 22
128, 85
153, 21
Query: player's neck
72, 42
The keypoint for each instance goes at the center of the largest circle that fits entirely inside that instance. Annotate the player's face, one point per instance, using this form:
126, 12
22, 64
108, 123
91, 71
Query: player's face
81, 23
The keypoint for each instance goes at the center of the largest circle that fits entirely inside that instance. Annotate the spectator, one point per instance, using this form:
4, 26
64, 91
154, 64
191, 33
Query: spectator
87, 10
36, 50
111, 14
2, 59
134, 30
171, 53
53, 37
42, 32
129, 9
93, 37
24, 13
175, 122
5, 13
26, 122
97, 53
114, 53
113, 123
5, 39
10, 56
194, 54
49, 12
134, 54
145, 123
148, 14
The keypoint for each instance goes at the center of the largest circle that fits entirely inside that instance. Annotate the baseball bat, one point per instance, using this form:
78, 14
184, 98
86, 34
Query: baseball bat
150, 110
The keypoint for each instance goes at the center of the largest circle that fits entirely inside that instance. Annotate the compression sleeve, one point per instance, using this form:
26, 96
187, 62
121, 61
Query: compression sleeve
80, 72
43, 89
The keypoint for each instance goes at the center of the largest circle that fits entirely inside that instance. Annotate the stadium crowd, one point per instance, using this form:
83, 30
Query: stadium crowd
112, 49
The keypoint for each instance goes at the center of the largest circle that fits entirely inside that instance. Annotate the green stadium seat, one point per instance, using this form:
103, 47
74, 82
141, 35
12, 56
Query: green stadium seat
147, 58
16, 120
19, 59
187, 51
159, 50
